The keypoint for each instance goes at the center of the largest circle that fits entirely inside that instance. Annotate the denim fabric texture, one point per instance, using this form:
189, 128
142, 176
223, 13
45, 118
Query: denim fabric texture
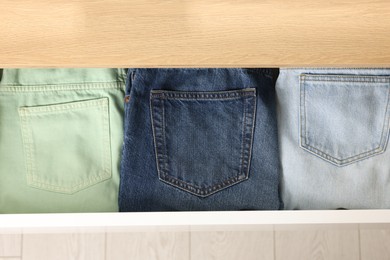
200, 139
61, 134
333, 134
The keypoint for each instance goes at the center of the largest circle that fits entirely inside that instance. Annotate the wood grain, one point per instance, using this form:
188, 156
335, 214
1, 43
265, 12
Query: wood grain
10, 245
315, 243
191, 33
148, 245
330, 241
77, 246
226, 245
375, 243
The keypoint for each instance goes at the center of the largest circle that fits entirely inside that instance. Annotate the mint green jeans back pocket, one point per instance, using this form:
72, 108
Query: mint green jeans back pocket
67, 145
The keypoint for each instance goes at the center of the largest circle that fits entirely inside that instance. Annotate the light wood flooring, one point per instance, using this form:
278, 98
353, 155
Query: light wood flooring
348, 241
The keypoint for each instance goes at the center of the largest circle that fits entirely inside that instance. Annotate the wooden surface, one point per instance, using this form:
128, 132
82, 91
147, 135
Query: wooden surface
64, 246
375, 242
232, 245
148, 245
311, 242
10, 245
194, 33
273, 242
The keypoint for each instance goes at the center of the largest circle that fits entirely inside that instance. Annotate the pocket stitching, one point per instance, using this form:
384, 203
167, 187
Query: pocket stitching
346, 78
166, 164
360, 156
164, 176
68, 87
243, 139
190, 95
33, 179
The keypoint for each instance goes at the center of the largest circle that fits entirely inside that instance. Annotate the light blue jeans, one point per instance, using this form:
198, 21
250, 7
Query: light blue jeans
333, 137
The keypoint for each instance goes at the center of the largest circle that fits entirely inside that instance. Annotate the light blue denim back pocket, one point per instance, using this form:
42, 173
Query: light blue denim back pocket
344, 118
203, 140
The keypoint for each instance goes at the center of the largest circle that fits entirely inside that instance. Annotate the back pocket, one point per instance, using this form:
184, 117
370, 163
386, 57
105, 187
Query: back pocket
203, 140
344, 118
67, 146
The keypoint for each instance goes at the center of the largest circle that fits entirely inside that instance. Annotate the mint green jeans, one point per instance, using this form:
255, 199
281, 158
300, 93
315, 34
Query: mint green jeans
61, 134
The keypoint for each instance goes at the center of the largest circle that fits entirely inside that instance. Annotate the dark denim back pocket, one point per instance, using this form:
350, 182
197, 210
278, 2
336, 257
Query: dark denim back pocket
203, 140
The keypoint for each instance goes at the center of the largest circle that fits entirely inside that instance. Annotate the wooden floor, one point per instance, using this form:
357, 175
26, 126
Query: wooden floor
348, 241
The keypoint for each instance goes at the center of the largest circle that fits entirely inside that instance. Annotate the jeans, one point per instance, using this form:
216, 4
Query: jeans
61, 133
200, 139
333, 134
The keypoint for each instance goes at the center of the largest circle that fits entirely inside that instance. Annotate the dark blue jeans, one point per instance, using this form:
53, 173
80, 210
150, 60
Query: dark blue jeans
200, 139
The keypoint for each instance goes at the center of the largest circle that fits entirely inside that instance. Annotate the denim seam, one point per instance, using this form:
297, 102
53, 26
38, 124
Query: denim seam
102, 176
347, 161
243, 138
63, 83
160, 161
367, 79
340, 75
341, 162
62, 87
200, 191
152, 118
253, 120
27, 140
210, 99
35, 181
107, 142
165, 156
57, 108
220, 95
163, 173
262, 71
303, 121
249, 127
374, 80
387, 118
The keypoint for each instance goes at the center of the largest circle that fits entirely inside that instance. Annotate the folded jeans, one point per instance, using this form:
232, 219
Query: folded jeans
333, 133
61, 133
200, 139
